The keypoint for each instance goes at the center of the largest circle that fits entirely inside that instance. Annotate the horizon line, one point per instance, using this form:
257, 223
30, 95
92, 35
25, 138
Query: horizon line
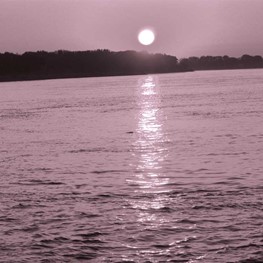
127, 50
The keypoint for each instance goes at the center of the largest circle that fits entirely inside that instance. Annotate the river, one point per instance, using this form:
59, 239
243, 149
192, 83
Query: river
151, 168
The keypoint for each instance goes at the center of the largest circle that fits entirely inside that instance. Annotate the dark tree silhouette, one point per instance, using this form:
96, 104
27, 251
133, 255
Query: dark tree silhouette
70, 64
225, 62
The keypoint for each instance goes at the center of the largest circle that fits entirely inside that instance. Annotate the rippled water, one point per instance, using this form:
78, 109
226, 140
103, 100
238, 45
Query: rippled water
154, 168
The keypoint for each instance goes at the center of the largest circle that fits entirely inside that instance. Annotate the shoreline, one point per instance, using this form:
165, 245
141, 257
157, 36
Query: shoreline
62, 64
77, 76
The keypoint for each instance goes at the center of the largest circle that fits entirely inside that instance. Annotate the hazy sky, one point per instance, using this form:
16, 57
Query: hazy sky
183, 27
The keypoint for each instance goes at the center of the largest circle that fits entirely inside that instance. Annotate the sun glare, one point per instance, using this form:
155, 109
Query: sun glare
146, 37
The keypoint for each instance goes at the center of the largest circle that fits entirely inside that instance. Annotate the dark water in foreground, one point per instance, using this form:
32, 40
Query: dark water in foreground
161, 168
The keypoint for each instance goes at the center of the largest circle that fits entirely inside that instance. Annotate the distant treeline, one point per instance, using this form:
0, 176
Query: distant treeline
68, 64
222, 62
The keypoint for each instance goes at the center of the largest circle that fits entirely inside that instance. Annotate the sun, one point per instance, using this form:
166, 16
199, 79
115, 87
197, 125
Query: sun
146, 37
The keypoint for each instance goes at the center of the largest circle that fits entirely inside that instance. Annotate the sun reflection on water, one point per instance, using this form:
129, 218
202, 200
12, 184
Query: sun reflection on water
150, 152
153, 207
151, 200
150, 144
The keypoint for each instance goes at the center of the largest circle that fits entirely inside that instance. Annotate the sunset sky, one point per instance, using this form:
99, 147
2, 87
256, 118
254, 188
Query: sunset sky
183, 27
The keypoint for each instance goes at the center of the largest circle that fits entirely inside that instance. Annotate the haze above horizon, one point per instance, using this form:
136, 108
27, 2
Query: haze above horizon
183, 28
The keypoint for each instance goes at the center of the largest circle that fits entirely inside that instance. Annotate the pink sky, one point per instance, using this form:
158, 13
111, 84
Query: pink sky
183, 27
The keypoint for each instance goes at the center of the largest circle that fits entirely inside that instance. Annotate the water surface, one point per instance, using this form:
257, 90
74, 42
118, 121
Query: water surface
154, 168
